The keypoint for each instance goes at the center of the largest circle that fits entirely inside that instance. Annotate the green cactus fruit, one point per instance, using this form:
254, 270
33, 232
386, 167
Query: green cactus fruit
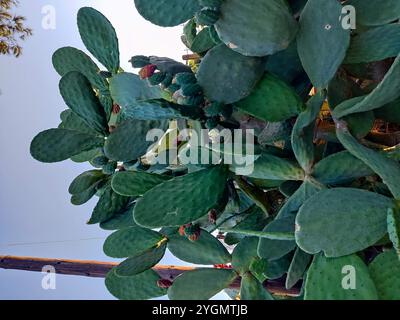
227, 76
167, 13
374, 45
79, 96
135, 183
271, 167
173, 87
340, 168
393, 225
120, 220
270, 26
322, 41
210, 3
204, 189
131, 241
341, 221
384, 93
272, 100
276, 249
375, 13
202, 42
100, 161
345, 278
201, 284
121, 147
99, 37
141, 262
384, 270
252, 289
191, 89
109, 204
167, 81
56, 145
139, 287
214, 109
139, 61
207, 250
303, 132
156, 78
297, 268
110, 167
69, 59
387, 169
207, 16
85, 181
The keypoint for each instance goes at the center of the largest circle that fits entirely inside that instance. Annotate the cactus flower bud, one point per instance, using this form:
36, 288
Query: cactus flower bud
212, 216
147, 71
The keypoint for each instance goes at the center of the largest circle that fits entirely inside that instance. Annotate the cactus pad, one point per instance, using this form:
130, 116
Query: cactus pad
252, 289
269, 26
182, 199
227, 76
341, 221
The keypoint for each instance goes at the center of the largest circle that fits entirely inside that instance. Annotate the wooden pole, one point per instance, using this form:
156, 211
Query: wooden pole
99, 269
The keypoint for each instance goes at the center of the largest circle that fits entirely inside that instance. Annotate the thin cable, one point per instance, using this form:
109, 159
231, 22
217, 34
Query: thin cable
21, 244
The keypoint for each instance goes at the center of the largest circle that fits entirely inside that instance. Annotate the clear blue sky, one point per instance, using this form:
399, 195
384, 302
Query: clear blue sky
34, 201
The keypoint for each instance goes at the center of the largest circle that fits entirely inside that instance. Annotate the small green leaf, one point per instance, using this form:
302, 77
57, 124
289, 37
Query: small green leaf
201, 284
99, 37
345, 278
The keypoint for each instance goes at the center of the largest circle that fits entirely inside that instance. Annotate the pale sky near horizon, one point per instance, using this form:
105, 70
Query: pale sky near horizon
36, 217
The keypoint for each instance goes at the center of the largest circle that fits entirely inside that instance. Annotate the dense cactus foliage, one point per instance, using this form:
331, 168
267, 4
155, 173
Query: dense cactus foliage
318, 212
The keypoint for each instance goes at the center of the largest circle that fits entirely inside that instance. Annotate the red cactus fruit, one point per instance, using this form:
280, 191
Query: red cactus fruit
147, 71
164, 283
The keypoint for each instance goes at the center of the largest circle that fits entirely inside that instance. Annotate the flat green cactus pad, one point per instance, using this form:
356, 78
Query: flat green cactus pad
384, 271
269, 26
252, 289
69, 59
99, 37
57, 145
385, 92
226, 76
297, 268
245, 254
130, 242
139, 287
121, 147
345, 278
201, 284
272, 100
375, 13
182, 199
340, 168
167, 13
322, 41
341, 221
375, 45
120, 220
85, 181
71, 121
79, 96
207, 250
141, 262
393, 223
135, 183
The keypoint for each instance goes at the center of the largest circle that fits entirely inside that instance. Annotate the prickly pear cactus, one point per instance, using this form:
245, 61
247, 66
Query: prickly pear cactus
313, 204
